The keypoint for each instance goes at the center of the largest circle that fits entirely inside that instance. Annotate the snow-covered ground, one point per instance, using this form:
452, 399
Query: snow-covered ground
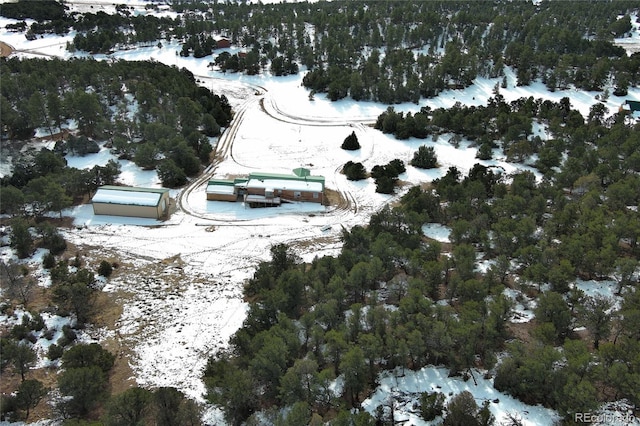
404, 390
189, 300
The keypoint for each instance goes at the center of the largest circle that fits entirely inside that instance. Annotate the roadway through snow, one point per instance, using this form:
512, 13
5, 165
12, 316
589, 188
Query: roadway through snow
223, 151
183, 285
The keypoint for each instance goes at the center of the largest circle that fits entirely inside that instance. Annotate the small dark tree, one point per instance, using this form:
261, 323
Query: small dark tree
170, 174
105, 269
553, 309
485, 152
12, 200
86, 386
17, 282
29, 395
87, 356
131, 407
396, 166
21, 238
48, 261
52, 239
385, 185
425, 158
354, 171
172, 408
54, 352
167, 403
431, 405
22, 357
76, 295
351, 142
463, 410
596, 315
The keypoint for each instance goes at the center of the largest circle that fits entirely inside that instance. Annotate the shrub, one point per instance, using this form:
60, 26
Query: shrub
354, 171
105, 269
48, 261
425, 158
20, 331
68, 336
386, 176
81, 145
431, 405
55, 352
36, 323
49, 333
351, 142
485, 152
385, 185
397, 166
56, 243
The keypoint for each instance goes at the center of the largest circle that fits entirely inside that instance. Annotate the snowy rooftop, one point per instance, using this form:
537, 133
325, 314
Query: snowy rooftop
290, 185
125, 195
213, 188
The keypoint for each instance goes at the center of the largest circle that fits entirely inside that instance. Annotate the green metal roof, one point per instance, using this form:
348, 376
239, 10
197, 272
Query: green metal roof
135, 189
301, 171
282, 176
226, 182
633, 105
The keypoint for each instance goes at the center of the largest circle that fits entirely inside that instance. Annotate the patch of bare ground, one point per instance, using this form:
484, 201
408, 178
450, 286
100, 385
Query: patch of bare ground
108, 312
333, 198
305, 245
5, 49
522, 331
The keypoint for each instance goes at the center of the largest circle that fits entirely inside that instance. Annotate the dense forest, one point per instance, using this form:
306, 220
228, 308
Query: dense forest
377, 306
389, 52
392, 299
147, 112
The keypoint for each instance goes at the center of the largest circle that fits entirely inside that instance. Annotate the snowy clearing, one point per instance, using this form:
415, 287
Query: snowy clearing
188, 308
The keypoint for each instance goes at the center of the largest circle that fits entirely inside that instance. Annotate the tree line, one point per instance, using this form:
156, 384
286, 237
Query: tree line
374, 307
390, 52
395, 300
152, 114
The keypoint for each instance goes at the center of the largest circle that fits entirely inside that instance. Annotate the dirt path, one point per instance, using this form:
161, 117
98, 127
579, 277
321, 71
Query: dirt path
5, 49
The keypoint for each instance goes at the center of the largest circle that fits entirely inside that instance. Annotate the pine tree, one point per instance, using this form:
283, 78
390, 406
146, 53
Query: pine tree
351, 142
425, 158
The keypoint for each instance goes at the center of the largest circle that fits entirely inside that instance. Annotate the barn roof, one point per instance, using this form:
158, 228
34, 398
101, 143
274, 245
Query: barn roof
220, 186
129, 195
285, 184
287, 177
302, 172
633, 105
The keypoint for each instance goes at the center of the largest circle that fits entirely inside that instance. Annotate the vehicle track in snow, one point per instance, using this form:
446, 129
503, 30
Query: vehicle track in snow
223, 151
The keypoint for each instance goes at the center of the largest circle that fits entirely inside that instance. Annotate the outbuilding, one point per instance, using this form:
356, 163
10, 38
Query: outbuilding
222, 190
268, 189
222, 42
131, 201
286, 187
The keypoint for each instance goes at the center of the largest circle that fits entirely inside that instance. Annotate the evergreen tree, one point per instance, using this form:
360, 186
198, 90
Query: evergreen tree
424, 158
354, 171
29, 395
21, 238
351, 143
170, 174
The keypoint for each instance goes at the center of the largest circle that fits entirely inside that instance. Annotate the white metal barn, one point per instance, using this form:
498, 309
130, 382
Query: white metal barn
130, 201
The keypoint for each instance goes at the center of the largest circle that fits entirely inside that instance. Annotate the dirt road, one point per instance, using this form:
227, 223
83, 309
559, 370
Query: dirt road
5, 49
